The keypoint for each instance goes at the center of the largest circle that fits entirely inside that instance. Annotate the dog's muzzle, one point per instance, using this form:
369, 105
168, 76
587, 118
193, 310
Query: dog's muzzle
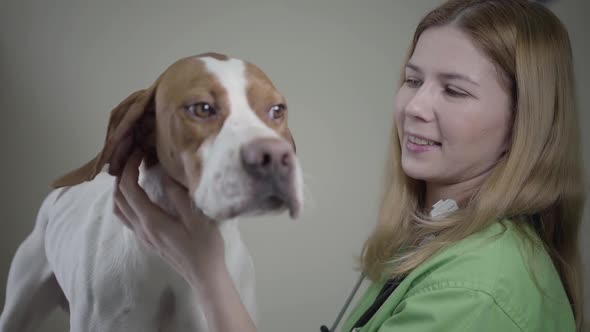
270, 162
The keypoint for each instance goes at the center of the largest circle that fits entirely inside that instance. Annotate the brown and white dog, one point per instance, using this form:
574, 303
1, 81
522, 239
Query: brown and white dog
215, 124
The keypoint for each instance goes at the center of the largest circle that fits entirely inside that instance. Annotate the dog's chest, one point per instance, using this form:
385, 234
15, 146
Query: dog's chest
143, 295
111, 280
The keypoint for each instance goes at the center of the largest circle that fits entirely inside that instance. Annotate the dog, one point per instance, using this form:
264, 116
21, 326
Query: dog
216, 125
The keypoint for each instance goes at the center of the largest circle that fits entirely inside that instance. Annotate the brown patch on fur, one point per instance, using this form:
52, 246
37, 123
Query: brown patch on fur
262, 96
180, 135
144, 136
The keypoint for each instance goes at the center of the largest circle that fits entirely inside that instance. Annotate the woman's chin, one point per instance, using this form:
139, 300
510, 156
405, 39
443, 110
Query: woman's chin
418, 172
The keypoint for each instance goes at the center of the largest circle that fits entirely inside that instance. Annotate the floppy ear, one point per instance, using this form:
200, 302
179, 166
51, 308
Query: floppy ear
127, 123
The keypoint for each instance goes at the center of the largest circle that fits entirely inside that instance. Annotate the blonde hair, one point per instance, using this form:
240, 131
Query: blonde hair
537, 184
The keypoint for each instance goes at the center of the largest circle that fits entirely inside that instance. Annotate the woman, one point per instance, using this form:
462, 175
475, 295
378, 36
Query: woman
485, 116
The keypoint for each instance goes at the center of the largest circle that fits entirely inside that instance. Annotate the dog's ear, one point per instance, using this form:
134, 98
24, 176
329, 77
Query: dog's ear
130, 126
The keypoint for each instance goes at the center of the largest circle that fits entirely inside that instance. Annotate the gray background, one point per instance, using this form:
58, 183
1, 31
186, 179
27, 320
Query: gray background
64, 64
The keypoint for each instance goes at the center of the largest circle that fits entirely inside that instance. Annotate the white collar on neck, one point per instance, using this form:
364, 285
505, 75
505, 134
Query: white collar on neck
443, 207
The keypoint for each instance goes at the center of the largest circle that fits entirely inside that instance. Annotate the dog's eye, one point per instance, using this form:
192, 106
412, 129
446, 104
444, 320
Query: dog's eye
201, 110
277, 111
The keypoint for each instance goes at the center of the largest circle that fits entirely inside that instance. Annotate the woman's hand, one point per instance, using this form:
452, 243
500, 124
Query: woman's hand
190, 242
187, 241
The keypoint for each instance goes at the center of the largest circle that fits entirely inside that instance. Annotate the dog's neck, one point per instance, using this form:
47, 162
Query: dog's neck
150, 179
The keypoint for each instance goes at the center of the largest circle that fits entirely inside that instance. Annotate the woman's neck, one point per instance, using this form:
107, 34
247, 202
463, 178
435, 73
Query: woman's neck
460, 192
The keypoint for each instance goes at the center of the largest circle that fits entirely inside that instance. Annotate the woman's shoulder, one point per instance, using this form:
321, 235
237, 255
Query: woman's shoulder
503, 263
484, 257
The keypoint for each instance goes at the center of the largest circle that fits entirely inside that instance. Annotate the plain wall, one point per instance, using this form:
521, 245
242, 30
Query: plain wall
64, 64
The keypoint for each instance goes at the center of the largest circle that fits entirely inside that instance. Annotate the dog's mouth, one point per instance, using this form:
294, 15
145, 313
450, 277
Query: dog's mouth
265, 205
275, 203
262, 203
278, 195
278, 203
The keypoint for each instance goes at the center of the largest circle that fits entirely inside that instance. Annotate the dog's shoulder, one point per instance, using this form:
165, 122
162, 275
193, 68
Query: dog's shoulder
80, 196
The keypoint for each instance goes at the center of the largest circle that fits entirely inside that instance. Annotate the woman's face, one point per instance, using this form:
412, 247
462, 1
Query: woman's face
453, 114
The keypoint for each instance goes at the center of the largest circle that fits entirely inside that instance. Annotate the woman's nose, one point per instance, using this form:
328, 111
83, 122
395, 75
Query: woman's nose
422, 104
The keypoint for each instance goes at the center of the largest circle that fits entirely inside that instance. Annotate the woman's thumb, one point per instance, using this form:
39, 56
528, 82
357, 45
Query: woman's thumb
179, 196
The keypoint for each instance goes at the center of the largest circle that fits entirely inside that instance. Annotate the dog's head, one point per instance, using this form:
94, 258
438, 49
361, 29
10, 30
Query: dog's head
215, 124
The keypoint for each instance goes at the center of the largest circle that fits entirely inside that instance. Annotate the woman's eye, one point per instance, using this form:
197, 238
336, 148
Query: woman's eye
277, 111
412, 82
201, 110
455, 93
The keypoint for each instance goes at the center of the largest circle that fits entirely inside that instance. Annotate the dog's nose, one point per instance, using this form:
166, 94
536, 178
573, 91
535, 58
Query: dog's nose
267, 156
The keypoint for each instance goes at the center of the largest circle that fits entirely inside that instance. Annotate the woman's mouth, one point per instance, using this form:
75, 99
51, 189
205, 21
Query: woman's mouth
418, 144
421, 141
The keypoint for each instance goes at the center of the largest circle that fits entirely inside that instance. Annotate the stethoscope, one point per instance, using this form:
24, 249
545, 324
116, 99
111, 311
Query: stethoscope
440, 208
324, 328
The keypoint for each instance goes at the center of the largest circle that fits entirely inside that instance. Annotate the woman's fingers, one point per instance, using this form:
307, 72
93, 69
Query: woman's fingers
126, 222
185, 207
150, 221
194, 240
178, 195
135, 196
122, 206
120, 155
128, 217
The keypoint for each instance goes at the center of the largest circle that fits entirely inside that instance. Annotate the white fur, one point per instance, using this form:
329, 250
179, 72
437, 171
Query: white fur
111, 281
79, 251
